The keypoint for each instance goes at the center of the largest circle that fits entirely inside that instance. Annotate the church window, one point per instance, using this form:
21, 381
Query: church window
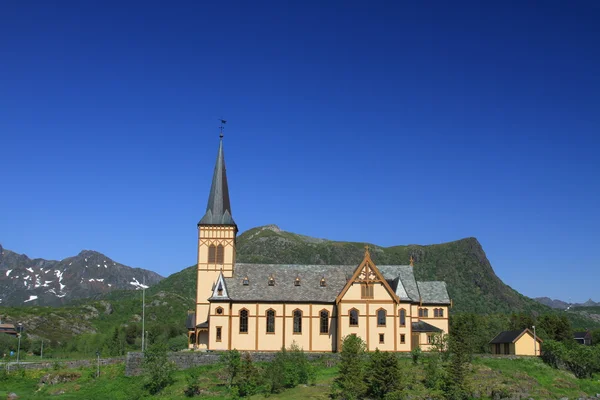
441, 313
366, 291
402, 338
297, 282
435, 313
244, 321
323, 283
429, 339
219, 311
220, 254
270, 321
271, 281
402, 317
381, 316
218, 333
423, 312
297, 321
212, 253
353, 317
245, 281
324, 319
381, 338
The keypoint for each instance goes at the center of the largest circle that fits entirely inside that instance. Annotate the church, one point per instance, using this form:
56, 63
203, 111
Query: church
264, 307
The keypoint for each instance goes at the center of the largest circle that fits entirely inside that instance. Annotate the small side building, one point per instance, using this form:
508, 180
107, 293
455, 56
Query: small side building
584, 338
520, 343
9, 329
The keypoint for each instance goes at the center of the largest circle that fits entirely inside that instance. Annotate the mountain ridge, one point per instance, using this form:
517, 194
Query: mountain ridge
26, 281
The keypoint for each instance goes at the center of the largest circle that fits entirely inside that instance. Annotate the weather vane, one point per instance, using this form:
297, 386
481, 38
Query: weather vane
223, 122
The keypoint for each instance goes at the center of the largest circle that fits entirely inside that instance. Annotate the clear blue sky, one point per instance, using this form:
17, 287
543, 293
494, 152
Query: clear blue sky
384, 122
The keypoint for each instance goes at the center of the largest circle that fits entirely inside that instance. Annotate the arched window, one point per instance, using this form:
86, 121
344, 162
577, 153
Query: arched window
219, 310
271, 281
270, 321
381, 314
212, 253
353, 317
423, 312
441, 313
297, 281
324, 321
323, 283
297, 321
220, 254
402, 317
244, 321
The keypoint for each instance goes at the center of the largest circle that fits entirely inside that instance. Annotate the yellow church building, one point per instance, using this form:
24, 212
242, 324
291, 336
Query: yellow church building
264, 307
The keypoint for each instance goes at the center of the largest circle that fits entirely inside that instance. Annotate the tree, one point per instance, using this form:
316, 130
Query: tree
520, 321
158, 370
350, 384
383, 374
556, 327
596, 337
232, 362
248, 380
461, 347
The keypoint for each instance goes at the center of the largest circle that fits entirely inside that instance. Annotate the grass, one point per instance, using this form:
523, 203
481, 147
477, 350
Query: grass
529, 377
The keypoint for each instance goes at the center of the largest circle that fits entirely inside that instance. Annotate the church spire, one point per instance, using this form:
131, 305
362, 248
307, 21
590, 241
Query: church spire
218, 209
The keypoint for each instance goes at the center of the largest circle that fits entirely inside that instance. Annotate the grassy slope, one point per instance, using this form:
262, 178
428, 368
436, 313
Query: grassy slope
528, 377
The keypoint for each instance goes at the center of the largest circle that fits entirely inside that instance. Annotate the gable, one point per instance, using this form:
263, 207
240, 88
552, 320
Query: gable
220, 289
367, 282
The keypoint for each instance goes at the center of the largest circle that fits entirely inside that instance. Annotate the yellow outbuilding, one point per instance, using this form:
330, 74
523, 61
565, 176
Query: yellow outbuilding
519, 343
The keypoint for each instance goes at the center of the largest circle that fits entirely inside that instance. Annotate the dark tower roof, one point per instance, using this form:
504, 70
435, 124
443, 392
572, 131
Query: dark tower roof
218, 209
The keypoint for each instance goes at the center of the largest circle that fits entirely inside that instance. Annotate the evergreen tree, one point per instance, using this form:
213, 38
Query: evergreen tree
383, 374
232, 362
248, 380
461, 347
158, 370
350, 382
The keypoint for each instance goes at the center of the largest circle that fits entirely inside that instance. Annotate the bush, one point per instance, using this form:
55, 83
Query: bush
232, 362
582, 361
415, 354
177, 343
158, 370
192, 385
249, 377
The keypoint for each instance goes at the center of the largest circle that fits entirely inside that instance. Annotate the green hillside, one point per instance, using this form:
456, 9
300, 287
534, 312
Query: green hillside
462, 264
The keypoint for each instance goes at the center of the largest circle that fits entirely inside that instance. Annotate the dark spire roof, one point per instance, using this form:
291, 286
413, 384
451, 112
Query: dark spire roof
218, 209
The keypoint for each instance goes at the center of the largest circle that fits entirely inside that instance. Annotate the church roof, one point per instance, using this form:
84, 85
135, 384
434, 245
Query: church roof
399, 277
218, 209
433, 292
422, 326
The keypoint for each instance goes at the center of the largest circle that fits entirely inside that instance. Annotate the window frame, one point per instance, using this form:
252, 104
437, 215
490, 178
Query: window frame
402, 317
324, 322
297, 322
402, 338
379, 320
382, 338
270, 320
219, 334
244, 320
350, 317
219, 310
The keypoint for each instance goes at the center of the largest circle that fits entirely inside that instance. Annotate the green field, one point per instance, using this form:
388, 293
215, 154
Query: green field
529, 378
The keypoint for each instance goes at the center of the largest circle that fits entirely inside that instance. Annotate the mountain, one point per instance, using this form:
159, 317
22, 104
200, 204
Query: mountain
25, 281
562, 305
462, 264
547, 301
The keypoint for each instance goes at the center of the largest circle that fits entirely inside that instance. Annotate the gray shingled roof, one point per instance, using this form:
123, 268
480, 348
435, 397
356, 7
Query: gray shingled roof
190, 321
423, 326
433, 292
506, 337
218, 209
400, 278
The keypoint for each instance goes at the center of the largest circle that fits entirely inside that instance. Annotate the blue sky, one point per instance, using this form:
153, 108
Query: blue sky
384, 122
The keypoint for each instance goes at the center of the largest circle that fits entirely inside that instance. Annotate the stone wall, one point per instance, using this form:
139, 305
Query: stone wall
49, 364
188, 359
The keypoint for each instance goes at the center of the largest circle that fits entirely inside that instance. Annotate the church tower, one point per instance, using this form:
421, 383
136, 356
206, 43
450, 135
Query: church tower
216, 245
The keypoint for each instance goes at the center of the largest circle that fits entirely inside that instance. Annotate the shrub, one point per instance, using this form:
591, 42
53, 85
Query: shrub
158, 370
415, 354
232, 362
248, 381
192, 385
